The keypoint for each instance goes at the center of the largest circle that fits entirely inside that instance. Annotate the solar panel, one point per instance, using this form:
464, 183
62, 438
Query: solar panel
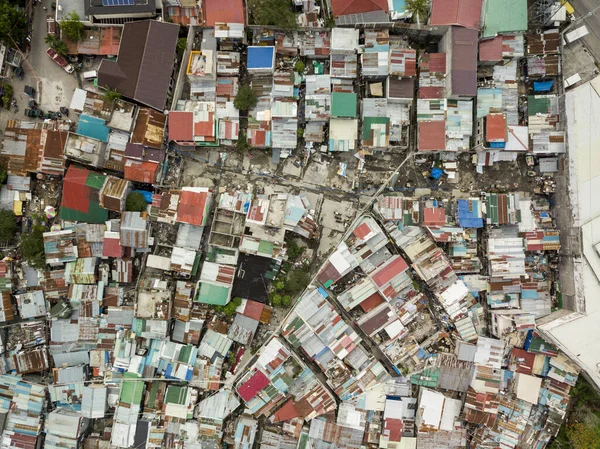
118, 2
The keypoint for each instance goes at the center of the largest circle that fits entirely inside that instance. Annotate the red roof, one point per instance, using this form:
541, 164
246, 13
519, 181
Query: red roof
431, 92
491, 49
76, 195
434, 216
287, 412
495, 128
191, 207
465, 13
391, 269
522, 360
227, 11
207, 128
362, 231
394, 428
181, 126
253, 309
433, 62
345, 7
371, 302
112, 248
253, 386
432, 136
140, 171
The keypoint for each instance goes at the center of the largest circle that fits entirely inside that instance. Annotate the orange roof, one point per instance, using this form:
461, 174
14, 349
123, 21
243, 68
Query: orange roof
181, 126
191, 207
226, 11
140, 171
495, 128
345, 7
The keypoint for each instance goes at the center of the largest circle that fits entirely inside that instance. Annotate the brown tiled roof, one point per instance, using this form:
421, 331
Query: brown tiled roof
145, 63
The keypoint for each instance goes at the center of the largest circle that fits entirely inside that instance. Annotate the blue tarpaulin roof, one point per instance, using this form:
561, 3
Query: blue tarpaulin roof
542, 86
260, 57
468, 214
436, 173
92, 127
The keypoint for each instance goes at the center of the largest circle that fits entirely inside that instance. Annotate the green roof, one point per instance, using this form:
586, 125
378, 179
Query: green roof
343, 104
131, 391
95, 214
216, 295
504, 16
539, 104
95, 180
367, 131
427, 378
176, 395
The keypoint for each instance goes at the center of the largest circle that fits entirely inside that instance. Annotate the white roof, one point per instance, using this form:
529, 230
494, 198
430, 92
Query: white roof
579, 334
344, 39
528, 387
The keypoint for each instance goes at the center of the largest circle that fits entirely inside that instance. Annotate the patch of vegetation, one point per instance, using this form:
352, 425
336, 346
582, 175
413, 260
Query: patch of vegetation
419, 9
293, 250
136, 202
229, 309
57, 44
32, 247
3, 174
12, 23
582, 429
242, 142
285, 289
299, 67
7, 96
245, 98
272, 12
71, 27
8, 225
111, 94
181, 45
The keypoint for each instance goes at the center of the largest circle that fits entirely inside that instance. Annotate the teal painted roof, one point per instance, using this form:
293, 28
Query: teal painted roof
504, 16
343, 104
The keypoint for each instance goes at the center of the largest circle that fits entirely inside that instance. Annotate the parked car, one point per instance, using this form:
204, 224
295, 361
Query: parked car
60, 60
30, 91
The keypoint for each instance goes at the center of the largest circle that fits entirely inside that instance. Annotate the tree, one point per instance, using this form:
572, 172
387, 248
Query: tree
111, 94
299, 67
72, 27
418, 8
32, 247
245, 98
293, 250
3, 174
181, 45
57, 44
229, 308
297, 281
12, 21
136, 202
272, 12
8, 91
242, 142
8, 225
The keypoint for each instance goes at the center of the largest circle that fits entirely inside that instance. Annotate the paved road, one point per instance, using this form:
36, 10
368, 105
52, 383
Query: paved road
57, 85
588, 14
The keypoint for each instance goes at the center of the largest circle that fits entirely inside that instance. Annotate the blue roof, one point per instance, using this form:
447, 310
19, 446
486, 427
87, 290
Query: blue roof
467, 215
260, 57
92, 127
542, 86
